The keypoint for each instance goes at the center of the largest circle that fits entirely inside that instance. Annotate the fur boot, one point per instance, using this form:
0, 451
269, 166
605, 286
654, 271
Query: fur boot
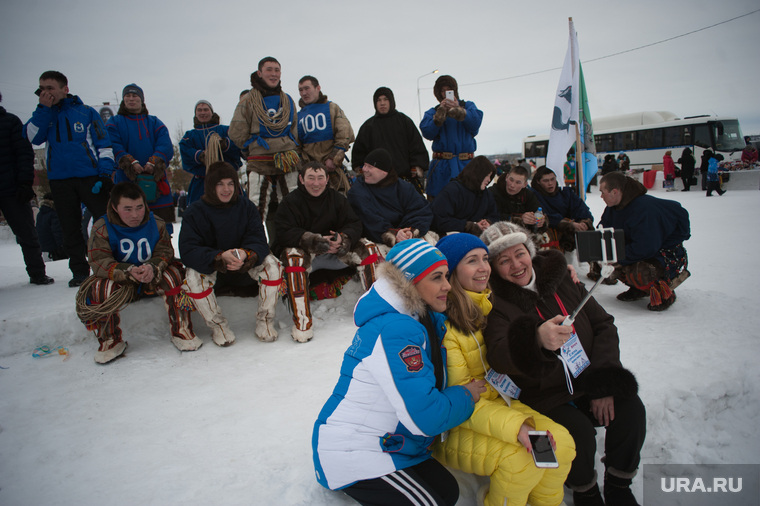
298, 290
200, 287
269, 275
110, 350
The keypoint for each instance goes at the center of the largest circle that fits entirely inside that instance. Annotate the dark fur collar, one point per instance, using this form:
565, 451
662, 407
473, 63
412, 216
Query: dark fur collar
550, 267
322, 99
214, 121
262, 87
124, 112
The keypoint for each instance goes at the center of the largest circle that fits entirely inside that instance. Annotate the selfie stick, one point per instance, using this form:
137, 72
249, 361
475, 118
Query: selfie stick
607, 270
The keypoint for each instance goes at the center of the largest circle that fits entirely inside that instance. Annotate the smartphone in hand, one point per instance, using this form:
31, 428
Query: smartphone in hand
543, 454
450, 95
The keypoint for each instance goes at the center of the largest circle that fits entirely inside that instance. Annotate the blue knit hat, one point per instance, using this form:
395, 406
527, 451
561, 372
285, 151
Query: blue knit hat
456, 246
415, 258
133, 88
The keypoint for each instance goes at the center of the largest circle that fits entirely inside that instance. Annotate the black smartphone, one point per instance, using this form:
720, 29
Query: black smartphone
589, 245
38, 91
543, 454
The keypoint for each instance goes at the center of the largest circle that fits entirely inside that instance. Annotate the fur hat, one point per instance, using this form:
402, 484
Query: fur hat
133, 88
415, 258
456, 246
381, 159
387, 93
445, 81
503, 235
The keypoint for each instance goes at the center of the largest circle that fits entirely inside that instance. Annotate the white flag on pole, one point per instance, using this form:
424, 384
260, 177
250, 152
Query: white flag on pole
565, 116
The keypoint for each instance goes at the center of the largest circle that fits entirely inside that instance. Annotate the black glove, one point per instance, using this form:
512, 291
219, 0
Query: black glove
24, 193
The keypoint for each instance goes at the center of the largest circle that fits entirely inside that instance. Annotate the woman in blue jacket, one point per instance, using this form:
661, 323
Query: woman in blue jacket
372, 438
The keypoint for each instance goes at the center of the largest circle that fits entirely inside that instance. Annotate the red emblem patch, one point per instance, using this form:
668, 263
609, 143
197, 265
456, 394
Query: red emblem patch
412, 357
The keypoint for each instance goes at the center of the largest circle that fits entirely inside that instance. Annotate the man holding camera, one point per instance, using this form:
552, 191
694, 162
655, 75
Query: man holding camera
80, 162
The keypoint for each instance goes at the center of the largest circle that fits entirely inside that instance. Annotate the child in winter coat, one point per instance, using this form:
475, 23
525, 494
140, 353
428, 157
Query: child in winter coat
494, 440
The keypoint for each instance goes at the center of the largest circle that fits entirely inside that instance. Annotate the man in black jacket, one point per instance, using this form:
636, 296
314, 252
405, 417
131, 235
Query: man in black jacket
317, 229
16, 177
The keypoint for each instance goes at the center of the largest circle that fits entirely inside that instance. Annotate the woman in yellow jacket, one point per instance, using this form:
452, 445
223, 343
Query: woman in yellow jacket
494, 440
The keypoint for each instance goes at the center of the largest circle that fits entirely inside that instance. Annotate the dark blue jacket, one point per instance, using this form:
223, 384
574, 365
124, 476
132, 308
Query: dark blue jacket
142, 136
209, 230
457, 204
452, 137
650, 224
16, 155
563, 204
193, 144
382, 208
77, 142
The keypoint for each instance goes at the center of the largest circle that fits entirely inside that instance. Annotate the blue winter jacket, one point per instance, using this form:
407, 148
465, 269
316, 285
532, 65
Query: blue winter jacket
451, 137
77, 142
457, 204
382, 208
209, 230
193, 144
650, 225
142, 136
385, 410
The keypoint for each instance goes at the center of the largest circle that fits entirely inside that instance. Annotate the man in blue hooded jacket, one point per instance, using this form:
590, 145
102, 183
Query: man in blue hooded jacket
79, 162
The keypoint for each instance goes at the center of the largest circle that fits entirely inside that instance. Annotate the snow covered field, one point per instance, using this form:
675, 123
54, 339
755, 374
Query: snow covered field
232, 426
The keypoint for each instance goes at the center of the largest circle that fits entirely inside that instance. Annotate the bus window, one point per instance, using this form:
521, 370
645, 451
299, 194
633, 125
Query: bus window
676, 136
649, 139
702, 136
604, 143
629, 141
728, 136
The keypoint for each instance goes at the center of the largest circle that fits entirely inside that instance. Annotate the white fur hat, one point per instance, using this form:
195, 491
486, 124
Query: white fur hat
503, 235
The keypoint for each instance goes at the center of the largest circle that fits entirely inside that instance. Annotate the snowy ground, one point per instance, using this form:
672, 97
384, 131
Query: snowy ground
232, 426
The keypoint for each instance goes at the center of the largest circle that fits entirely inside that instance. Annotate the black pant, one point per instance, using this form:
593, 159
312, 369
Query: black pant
427, 484
622, 443
714, 186
69, 195
20, 218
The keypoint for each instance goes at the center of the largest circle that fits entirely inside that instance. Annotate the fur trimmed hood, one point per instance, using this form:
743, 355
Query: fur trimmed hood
391, 293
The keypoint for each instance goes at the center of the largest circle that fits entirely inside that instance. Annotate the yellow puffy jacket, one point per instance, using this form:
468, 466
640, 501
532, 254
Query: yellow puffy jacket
486, 444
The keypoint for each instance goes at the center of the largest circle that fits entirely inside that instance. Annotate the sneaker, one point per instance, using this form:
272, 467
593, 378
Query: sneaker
632, 294
43, 280
76, 281
665, 304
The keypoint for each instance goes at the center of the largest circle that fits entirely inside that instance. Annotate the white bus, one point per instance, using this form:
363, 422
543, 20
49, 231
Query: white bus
646, 136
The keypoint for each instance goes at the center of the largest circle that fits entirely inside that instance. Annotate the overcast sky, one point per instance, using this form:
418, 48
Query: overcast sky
182, 51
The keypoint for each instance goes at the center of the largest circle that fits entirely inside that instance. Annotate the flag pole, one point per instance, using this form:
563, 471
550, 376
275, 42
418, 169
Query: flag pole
578, 140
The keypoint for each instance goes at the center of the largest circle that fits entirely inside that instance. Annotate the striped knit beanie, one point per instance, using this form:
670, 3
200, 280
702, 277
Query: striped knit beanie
415, 258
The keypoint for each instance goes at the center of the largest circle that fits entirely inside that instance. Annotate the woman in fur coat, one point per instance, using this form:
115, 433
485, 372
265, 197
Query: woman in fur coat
533, 293
374, 435
494, 441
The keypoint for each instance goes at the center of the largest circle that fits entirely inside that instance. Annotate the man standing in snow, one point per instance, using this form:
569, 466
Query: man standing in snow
317, 229
130, 246
16, 177
395, 132
324, 132
79, 162
265, 126
452, 126
655, 260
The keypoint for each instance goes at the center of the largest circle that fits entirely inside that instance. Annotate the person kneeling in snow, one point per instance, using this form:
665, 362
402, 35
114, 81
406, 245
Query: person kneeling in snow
222, 238
130, 247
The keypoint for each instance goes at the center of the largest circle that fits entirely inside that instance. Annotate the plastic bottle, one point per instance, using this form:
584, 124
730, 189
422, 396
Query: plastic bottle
539, 214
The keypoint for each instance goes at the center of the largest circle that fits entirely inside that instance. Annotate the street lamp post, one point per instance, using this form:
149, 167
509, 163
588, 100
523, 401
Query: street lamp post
419, 104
